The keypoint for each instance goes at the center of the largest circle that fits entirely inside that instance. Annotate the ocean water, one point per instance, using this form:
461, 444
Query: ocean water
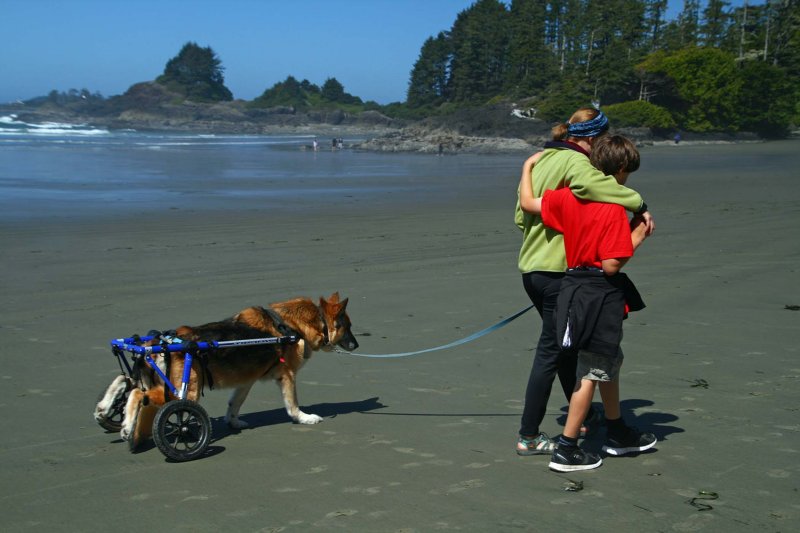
56, 169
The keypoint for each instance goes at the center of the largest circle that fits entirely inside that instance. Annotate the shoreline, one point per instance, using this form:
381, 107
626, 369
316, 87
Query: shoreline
383, 134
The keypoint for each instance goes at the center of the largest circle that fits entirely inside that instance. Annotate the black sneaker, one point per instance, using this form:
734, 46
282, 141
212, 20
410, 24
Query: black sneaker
630, 441
573, 459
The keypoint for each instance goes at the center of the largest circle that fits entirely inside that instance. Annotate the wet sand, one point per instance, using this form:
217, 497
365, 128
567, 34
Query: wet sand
418, 443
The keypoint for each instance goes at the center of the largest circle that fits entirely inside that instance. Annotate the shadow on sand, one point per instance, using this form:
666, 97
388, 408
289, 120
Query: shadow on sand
279, 416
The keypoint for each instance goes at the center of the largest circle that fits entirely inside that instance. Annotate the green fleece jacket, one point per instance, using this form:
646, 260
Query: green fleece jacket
543, 248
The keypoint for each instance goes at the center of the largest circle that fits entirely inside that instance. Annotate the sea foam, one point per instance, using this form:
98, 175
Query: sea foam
11, 125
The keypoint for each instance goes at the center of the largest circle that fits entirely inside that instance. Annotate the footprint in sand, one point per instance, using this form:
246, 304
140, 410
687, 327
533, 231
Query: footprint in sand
367, 491
411, 451
461, 486
778, 474
434, 391
341, 512
200, 497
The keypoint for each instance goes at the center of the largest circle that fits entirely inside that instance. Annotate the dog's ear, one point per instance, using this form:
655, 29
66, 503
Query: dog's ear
343, 303
334, 298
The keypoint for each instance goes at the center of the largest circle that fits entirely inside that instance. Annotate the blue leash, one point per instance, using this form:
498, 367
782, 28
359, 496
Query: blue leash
465, 340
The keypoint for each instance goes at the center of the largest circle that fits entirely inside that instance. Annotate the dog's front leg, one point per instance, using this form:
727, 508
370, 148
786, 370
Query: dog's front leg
289, 391
234, 404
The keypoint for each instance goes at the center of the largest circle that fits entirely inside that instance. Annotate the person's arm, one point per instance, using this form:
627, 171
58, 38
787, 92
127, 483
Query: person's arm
639, 231
588, 183
527, 201
638, 234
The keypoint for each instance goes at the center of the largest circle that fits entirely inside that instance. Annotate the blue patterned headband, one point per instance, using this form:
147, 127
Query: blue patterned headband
590, 128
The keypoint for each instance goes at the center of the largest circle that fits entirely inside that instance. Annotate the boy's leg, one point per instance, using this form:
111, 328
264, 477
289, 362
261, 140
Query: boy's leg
567, 457
578, 407
622, 439
609, 392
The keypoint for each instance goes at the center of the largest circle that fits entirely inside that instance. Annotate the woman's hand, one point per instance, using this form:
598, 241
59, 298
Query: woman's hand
650, 222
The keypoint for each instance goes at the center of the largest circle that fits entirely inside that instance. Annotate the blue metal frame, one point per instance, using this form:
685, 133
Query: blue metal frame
133, 345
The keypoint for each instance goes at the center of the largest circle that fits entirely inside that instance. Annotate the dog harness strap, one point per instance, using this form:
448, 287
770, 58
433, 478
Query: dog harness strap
273, 365
325, 337
280, 325
206, 371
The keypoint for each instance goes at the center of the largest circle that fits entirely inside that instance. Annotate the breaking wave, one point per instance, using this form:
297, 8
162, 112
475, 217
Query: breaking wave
11, 125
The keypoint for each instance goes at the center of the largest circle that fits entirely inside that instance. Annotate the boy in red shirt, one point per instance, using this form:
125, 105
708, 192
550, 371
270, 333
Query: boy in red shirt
593, 300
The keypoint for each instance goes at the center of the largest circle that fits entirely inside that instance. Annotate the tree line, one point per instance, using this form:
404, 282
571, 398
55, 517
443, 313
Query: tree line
712, 68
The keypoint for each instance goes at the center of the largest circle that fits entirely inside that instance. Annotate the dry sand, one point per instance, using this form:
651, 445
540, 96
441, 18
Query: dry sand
420, 443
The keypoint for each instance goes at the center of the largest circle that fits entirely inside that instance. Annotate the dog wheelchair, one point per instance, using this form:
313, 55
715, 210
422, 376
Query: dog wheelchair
181, 428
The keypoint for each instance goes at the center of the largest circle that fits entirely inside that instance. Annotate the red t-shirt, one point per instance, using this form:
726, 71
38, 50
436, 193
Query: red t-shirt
592, 231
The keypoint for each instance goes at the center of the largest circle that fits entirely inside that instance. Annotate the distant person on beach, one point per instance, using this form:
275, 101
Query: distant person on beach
677, 138
593, 300
542, 260
315, 144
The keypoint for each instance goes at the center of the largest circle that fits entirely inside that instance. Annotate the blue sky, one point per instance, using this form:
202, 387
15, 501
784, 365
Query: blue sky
370, 46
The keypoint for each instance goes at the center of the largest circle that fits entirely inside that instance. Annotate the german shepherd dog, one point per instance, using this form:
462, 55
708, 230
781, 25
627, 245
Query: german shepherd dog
318, 327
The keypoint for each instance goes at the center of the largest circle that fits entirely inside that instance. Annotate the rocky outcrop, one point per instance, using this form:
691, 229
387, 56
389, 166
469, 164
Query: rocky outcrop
493, 129
419, 139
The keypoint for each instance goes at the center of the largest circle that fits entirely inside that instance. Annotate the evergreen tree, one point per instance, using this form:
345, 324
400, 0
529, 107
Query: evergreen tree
784, 50
289, 93
196, 73
615, 45
766, 98
309, 87
428, 84
689, 22
479, 40
715, 23
530, 64
574, 26
333, 91
786, 40
655, 20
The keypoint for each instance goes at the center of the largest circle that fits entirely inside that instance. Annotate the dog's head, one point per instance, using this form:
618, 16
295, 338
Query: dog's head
338, 323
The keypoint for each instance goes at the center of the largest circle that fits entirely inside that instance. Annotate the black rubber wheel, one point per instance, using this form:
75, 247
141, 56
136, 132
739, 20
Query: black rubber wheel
113, 422
182, 430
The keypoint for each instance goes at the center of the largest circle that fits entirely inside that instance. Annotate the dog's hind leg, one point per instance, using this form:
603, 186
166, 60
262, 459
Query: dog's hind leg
289, 391
234, 404
131, 412
114, 392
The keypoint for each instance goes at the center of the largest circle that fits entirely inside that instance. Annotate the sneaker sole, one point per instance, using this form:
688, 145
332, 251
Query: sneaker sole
624, 451
558, 467
526, 453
